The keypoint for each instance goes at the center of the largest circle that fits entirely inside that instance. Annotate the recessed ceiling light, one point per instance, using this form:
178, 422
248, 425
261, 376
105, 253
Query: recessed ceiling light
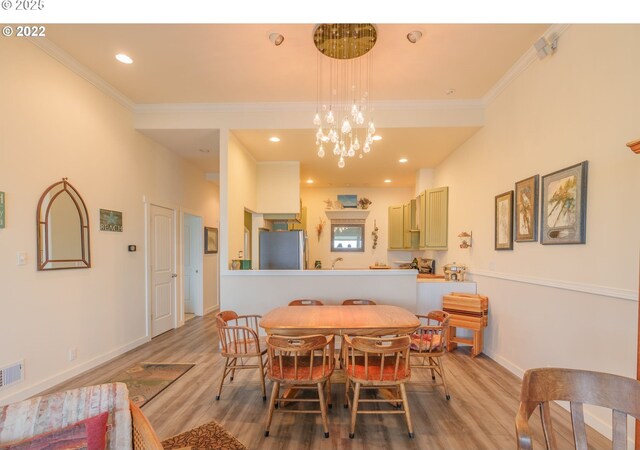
274, 139
387, 180
376, 137
403, 160
309, 181
124, 58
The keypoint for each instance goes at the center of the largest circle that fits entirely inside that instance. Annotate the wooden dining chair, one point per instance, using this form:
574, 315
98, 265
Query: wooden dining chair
298, 363
377, 363
358, 301
429, 343
305, 302
240, 340
541, 386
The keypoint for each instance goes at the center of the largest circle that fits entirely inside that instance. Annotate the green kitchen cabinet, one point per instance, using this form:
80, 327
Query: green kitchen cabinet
396, 231
436, 219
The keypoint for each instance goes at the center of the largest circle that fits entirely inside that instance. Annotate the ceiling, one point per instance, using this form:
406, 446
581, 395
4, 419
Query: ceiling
227, 64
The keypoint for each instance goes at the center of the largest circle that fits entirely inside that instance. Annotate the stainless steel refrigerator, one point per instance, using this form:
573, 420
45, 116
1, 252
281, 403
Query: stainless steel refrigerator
283, 250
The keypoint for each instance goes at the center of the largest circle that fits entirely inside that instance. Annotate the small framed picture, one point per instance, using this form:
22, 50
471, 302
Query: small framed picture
348, 201
504, 221
526, 210
564, 206
210, 240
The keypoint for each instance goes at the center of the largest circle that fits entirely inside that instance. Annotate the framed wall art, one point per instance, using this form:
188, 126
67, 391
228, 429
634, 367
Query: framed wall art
110, 220
348, 201
564, 206
210, 240
504, 221
526, 209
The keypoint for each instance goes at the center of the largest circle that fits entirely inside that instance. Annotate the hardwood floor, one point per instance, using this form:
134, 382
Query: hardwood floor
480, 414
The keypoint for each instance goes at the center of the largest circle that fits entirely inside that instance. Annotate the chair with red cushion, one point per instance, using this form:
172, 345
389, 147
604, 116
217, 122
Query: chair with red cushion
240, 341
377, 363
301, 362
429, 343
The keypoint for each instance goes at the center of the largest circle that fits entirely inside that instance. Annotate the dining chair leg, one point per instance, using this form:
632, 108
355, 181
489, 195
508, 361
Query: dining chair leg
262, 374
407, 413
225, 372
329, 403
354, 411
444, 380
347, 383
323, 409
233, 370
275, 392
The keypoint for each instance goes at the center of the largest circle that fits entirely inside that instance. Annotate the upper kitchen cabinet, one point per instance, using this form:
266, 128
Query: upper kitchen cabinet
411, 234
403, 233
277, 187
396, 231
433, 236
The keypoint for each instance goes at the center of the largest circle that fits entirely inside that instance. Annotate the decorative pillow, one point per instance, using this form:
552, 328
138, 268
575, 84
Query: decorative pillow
419, 342
87, 434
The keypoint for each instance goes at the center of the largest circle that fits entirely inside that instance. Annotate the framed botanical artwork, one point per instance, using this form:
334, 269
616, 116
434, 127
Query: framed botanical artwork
526, 209
210, 240
564, 206
504, 221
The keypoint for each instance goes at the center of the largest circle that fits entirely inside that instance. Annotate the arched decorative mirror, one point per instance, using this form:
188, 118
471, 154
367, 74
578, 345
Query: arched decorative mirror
63, 229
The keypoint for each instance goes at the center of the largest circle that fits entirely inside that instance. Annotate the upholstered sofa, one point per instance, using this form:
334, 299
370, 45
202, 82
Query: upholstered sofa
82, 415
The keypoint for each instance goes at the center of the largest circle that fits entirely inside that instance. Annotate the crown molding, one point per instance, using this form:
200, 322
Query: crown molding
427, 105
554, 31
75, 66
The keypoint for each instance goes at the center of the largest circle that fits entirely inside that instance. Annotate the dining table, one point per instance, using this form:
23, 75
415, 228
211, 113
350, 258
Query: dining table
353, 320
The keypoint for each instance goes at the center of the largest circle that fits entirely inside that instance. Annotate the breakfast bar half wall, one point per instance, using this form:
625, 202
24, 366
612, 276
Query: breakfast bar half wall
258, 291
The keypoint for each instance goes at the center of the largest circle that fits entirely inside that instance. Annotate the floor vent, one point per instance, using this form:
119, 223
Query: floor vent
11, 374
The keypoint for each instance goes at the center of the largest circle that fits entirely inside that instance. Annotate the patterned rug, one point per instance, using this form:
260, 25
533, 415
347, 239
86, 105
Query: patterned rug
146, 380
205, 437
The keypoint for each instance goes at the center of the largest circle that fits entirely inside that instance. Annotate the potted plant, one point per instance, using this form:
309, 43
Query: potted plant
364, 202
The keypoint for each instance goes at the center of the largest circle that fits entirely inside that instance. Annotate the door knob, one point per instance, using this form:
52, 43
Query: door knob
174, 275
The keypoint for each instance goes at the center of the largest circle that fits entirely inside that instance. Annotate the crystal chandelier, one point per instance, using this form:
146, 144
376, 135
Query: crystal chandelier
341, 118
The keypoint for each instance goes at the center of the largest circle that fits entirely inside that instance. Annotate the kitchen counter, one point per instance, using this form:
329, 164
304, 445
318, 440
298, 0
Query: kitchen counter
320, 272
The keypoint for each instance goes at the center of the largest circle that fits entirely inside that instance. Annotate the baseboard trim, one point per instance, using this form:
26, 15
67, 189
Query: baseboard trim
29, 391
594, 422
624, 294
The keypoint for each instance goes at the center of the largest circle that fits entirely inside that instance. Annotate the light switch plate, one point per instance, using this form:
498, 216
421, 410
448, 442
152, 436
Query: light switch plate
22, 258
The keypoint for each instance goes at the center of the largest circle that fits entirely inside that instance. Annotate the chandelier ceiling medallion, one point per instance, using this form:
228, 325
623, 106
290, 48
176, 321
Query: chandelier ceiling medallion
342, 103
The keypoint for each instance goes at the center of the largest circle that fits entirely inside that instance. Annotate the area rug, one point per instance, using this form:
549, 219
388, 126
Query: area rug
146, 380
205, 437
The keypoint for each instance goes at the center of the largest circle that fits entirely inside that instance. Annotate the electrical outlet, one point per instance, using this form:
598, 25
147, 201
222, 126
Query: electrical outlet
73, 353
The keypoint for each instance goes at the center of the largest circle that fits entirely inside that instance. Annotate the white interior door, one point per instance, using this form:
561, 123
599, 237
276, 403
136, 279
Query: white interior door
163, 274
192, 258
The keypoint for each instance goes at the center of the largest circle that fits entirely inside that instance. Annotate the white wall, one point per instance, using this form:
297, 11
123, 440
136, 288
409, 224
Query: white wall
242, 193
54, 124
382, 198
563, 305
